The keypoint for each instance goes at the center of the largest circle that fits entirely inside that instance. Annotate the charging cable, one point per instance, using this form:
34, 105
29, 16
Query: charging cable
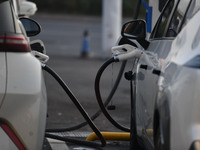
80, 108
121, 53
93, 117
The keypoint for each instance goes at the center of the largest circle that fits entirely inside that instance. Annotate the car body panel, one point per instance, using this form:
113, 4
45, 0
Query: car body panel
145, 94
180, 83
3, 78
158, 51
25, 99
184, 108
145, 98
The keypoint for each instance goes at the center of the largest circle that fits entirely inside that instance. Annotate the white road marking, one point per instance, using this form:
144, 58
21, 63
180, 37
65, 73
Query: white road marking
57, 145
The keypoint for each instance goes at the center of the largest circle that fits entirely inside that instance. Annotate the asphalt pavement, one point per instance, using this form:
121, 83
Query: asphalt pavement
62, 36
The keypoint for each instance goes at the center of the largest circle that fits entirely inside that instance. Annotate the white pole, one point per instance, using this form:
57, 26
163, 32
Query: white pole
111, 25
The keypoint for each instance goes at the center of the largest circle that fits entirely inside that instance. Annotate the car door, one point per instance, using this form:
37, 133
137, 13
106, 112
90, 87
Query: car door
178, 87
166, 29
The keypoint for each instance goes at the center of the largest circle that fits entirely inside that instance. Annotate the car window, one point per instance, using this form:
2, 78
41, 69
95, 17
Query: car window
161, 4
177, 18
164, 19
6, 22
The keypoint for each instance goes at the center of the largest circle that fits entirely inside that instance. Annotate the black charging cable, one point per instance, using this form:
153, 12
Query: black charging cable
80, 108
93, 117
130, 76
99, 99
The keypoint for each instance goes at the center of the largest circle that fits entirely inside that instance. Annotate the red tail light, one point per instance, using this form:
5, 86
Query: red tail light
14, 44
12, 136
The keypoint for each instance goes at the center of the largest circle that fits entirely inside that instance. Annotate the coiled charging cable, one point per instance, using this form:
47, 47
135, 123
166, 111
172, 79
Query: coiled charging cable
99, 99
122, 53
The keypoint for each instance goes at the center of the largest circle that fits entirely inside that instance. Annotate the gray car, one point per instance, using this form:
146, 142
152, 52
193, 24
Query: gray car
174, 17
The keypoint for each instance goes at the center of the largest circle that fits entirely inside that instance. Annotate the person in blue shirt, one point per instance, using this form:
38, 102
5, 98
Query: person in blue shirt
85, 44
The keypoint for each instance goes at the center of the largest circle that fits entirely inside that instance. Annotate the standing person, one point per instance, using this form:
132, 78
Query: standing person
85, 44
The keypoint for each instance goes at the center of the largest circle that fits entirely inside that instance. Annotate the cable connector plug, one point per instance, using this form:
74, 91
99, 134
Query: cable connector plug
122, 49
43, 58
125, 52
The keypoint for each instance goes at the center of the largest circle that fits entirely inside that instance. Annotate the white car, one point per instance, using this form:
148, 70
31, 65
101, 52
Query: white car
24, 8
177, 114
27, 8
152, 130
23, 100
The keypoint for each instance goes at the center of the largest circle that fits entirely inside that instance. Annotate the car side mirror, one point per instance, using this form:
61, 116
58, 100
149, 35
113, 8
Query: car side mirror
135, 29
31, 27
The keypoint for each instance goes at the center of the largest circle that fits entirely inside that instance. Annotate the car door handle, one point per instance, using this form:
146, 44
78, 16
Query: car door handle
156, 72
143, 67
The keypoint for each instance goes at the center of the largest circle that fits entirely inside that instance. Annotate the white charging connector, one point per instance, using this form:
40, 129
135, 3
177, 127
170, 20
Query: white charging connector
125, 52
41, 57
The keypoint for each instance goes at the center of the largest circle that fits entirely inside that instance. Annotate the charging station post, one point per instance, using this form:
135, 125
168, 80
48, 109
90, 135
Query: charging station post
111, 24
